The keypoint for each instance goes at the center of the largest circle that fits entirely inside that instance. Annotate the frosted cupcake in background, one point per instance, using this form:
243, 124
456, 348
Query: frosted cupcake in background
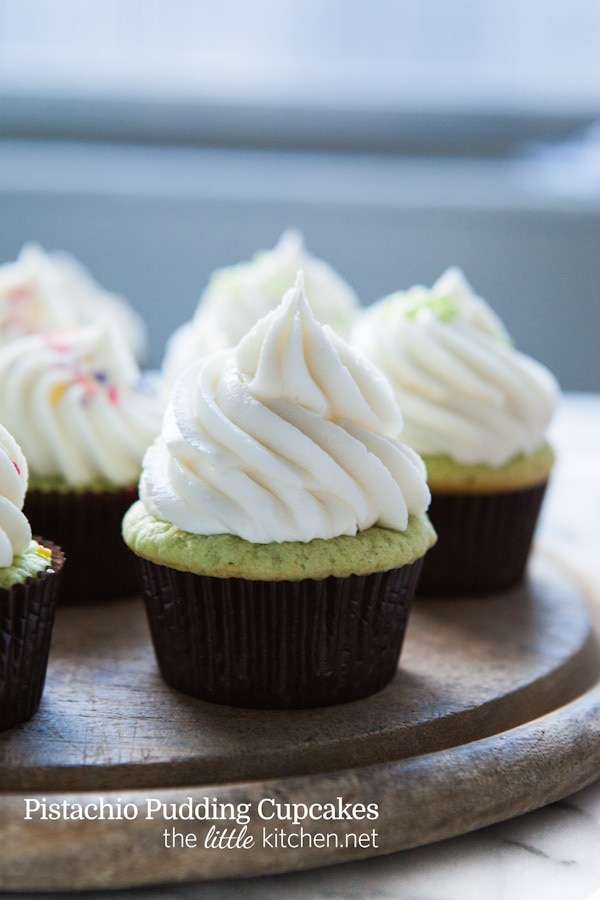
477, 410
42, 292
281, 525
237, 296
83, 413
29, 579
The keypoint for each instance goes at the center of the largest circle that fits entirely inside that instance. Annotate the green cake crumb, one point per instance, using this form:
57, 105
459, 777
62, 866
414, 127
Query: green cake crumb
228, 556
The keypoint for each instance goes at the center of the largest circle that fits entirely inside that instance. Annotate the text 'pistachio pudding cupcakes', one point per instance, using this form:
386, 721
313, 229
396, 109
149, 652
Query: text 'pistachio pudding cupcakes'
84, 414
281, 525
237, 296
42, 292
477, 410
29, 578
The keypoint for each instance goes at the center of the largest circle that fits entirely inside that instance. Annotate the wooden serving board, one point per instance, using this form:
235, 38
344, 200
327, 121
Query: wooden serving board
495, 710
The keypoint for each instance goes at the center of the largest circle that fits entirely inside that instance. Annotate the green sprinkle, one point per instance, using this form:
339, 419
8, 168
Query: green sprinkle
445, 308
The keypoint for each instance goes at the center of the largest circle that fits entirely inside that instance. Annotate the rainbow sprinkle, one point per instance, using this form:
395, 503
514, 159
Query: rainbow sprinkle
16, 315
57, 391
72, 373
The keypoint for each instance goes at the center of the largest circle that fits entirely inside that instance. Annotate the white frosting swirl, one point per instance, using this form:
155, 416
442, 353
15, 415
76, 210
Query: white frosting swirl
237, 296
45, 292
15, 531
288, 437
78, 405
463, 389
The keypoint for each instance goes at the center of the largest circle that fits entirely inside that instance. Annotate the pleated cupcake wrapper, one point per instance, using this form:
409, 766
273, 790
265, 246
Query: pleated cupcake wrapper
484, 541
26, 619
277, 645
87, 525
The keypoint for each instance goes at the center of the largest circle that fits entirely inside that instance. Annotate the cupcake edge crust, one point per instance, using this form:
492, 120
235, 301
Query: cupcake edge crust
448, 476
376, 549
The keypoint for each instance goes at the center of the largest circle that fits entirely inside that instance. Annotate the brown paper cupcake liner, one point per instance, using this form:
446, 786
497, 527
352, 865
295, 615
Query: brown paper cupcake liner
87, 525
276, 645
26, 619
484, 540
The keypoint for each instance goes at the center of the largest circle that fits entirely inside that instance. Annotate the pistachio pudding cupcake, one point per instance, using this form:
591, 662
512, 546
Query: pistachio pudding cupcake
29, 578
237, 296
281, 525
83, 413
477, 410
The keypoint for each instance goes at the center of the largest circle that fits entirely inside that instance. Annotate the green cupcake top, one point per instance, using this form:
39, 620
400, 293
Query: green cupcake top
50, 484
228, 556
34, 560
447, 475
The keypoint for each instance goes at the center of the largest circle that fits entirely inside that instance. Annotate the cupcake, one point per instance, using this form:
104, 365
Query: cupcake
281, 526
237, 296
477, 410
83, 413
42, 292
29, 577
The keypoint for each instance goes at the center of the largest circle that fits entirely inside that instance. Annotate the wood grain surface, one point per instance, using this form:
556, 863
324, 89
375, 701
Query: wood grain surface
494, 711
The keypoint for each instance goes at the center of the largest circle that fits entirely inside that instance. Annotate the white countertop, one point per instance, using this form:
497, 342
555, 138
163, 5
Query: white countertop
553, 852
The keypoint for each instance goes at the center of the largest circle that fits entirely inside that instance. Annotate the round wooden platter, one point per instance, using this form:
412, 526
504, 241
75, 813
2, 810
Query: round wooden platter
494, 711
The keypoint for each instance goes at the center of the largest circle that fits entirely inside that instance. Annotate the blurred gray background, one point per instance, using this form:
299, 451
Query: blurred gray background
157, 141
